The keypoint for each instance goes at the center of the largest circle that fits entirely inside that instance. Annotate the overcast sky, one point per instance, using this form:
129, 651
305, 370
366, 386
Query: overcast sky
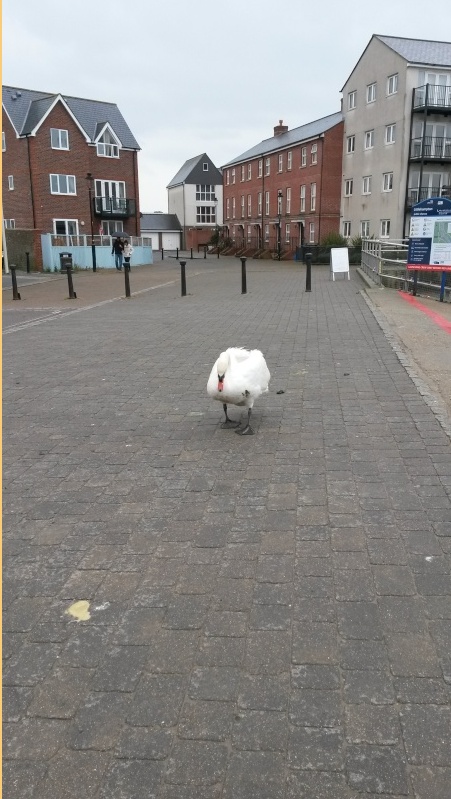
195, 76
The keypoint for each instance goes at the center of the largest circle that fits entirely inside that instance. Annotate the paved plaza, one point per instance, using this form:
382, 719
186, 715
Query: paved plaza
263, 617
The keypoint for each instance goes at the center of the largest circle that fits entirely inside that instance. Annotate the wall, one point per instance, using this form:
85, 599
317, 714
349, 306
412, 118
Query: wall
82, 255
19, 242
17, 204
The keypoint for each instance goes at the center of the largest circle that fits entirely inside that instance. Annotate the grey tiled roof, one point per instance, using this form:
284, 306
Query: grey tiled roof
419, 51
26, 108
157, 222
192, 172
291, 137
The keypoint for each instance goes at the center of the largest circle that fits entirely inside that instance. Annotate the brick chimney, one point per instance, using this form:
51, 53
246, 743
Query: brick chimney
280, 128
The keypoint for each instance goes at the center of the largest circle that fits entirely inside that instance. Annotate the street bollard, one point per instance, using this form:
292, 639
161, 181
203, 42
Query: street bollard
12, 269
162, 254
218, 250
308, 274
27, 255
177, 254
205, 253
243, 276
127, 279
191, 253
183, 277
442, 287
415, 282
72, 295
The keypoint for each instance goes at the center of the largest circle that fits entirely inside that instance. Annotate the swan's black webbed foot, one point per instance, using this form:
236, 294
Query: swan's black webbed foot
245, 431
228, 422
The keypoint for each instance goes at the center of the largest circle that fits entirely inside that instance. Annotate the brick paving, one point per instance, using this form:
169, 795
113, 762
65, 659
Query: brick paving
270, 616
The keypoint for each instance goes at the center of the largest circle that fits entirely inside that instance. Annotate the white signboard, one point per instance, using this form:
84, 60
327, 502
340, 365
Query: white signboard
339, 261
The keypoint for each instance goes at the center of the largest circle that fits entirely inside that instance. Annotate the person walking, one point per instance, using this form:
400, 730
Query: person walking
118, 252
128, 249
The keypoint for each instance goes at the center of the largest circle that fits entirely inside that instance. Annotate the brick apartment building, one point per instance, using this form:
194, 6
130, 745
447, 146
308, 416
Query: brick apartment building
69, 166
286, 190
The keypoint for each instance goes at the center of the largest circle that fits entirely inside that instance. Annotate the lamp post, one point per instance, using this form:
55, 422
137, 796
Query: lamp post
279, 214
90, 180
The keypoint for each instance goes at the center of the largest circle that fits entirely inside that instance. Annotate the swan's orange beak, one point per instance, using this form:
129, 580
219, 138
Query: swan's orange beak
220, 385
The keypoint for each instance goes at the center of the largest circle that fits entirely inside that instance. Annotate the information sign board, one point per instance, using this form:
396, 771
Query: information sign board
430, 236
339, 261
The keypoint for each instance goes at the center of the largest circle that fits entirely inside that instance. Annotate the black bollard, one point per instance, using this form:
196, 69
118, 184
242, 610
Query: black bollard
72, 295
27, 255
12, 269
442, 287
127, 279
162, 254
191, 253
177, 254
205, 253
218, 251
308, 274
415, 282
243, 276
183, 277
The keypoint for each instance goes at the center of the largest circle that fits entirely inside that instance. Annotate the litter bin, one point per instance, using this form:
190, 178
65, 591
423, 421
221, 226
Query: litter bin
65, 261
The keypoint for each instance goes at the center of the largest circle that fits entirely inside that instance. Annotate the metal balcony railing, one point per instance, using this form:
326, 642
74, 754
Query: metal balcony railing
415, 196
432, 96
431, 148
117, 207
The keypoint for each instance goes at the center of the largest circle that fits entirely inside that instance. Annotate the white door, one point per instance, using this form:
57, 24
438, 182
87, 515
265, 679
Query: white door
171, 241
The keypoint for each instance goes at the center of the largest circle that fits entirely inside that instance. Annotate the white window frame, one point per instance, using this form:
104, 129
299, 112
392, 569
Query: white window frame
205, 192
260, 167
303, 156
249, 234
59, 139
392, 84
10, 224
233, 177
387, 181
366, 184
369, 139
287, 233
66, 221
249, 171
349, 187
267, 166
385, 229
280, 162
347, 229
371, 93
266, 232
243, 173
11, 182
390, 133
110, 226
314, 154
312, 233
233, 208
289, 161
242, 205
302, 198
249, 205
228, 208
313, 196
71, 181
227, 177
288, 202
205, 214
266, 203
350, 144
259, 203
205, 166
3, 141
365, 228
352, 99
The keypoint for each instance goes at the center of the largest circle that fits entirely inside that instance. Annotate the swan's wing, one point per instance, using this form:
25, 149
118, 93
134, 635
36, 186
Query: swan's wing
239, 353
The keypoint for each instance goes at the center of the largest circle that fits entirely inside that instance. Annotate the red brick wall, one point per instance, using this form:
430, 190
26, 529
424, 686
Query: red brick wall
17, 203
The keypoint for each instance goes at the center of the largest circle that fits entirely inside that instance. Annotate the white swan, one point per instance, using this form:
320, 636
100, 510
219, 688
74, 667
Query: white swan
238, 377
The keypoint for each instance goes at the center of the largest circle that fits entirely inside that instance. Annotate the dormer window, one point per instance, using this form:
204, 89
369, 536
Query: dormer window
205, 166
107, 146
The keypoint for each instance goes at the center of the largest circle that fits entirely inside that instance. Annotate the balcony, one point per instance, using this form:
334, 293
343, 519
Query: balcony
435, 99
415, 196
113, 207
430, 148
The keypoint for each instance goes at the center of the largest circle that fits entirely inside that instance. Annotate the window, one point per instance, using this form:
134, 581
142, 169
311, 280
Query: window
289, 160
233, 176
111, 226
369, 139
205, 192
392, 84
242, 206
312, 233
205, 166
302, 206
260, 167
387, 181
346, 230
267, 203
267, 166
365, 229
366, 184
249, 204
350, 144
312, 196
259, 204
280, 162
249, 171
314, 153
107, 146
3, 141
249, 233
206, 213
11, 182
371, 93
110, 196
352, 100
288, 202
303, 156
59, 139
287, 233
349, 185
266, 232
390, 133
227, 177
233, 208
62, 184
385, 228
66, 227
243, 173
227, 208
10, 223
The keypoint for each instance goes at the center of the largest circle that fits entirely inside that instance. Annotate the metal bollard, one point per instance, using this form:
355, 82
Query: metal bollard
415, 282
191, 253
27, 255
218, 250
162, 254
177, 254
442, 287
12, 269
127, 279
205, 253
72, 295
243, 276
183, 277
308, 274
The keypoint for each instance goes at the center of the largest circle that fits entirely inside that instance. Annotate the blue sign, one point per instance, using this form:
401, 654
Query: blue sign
430, 235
